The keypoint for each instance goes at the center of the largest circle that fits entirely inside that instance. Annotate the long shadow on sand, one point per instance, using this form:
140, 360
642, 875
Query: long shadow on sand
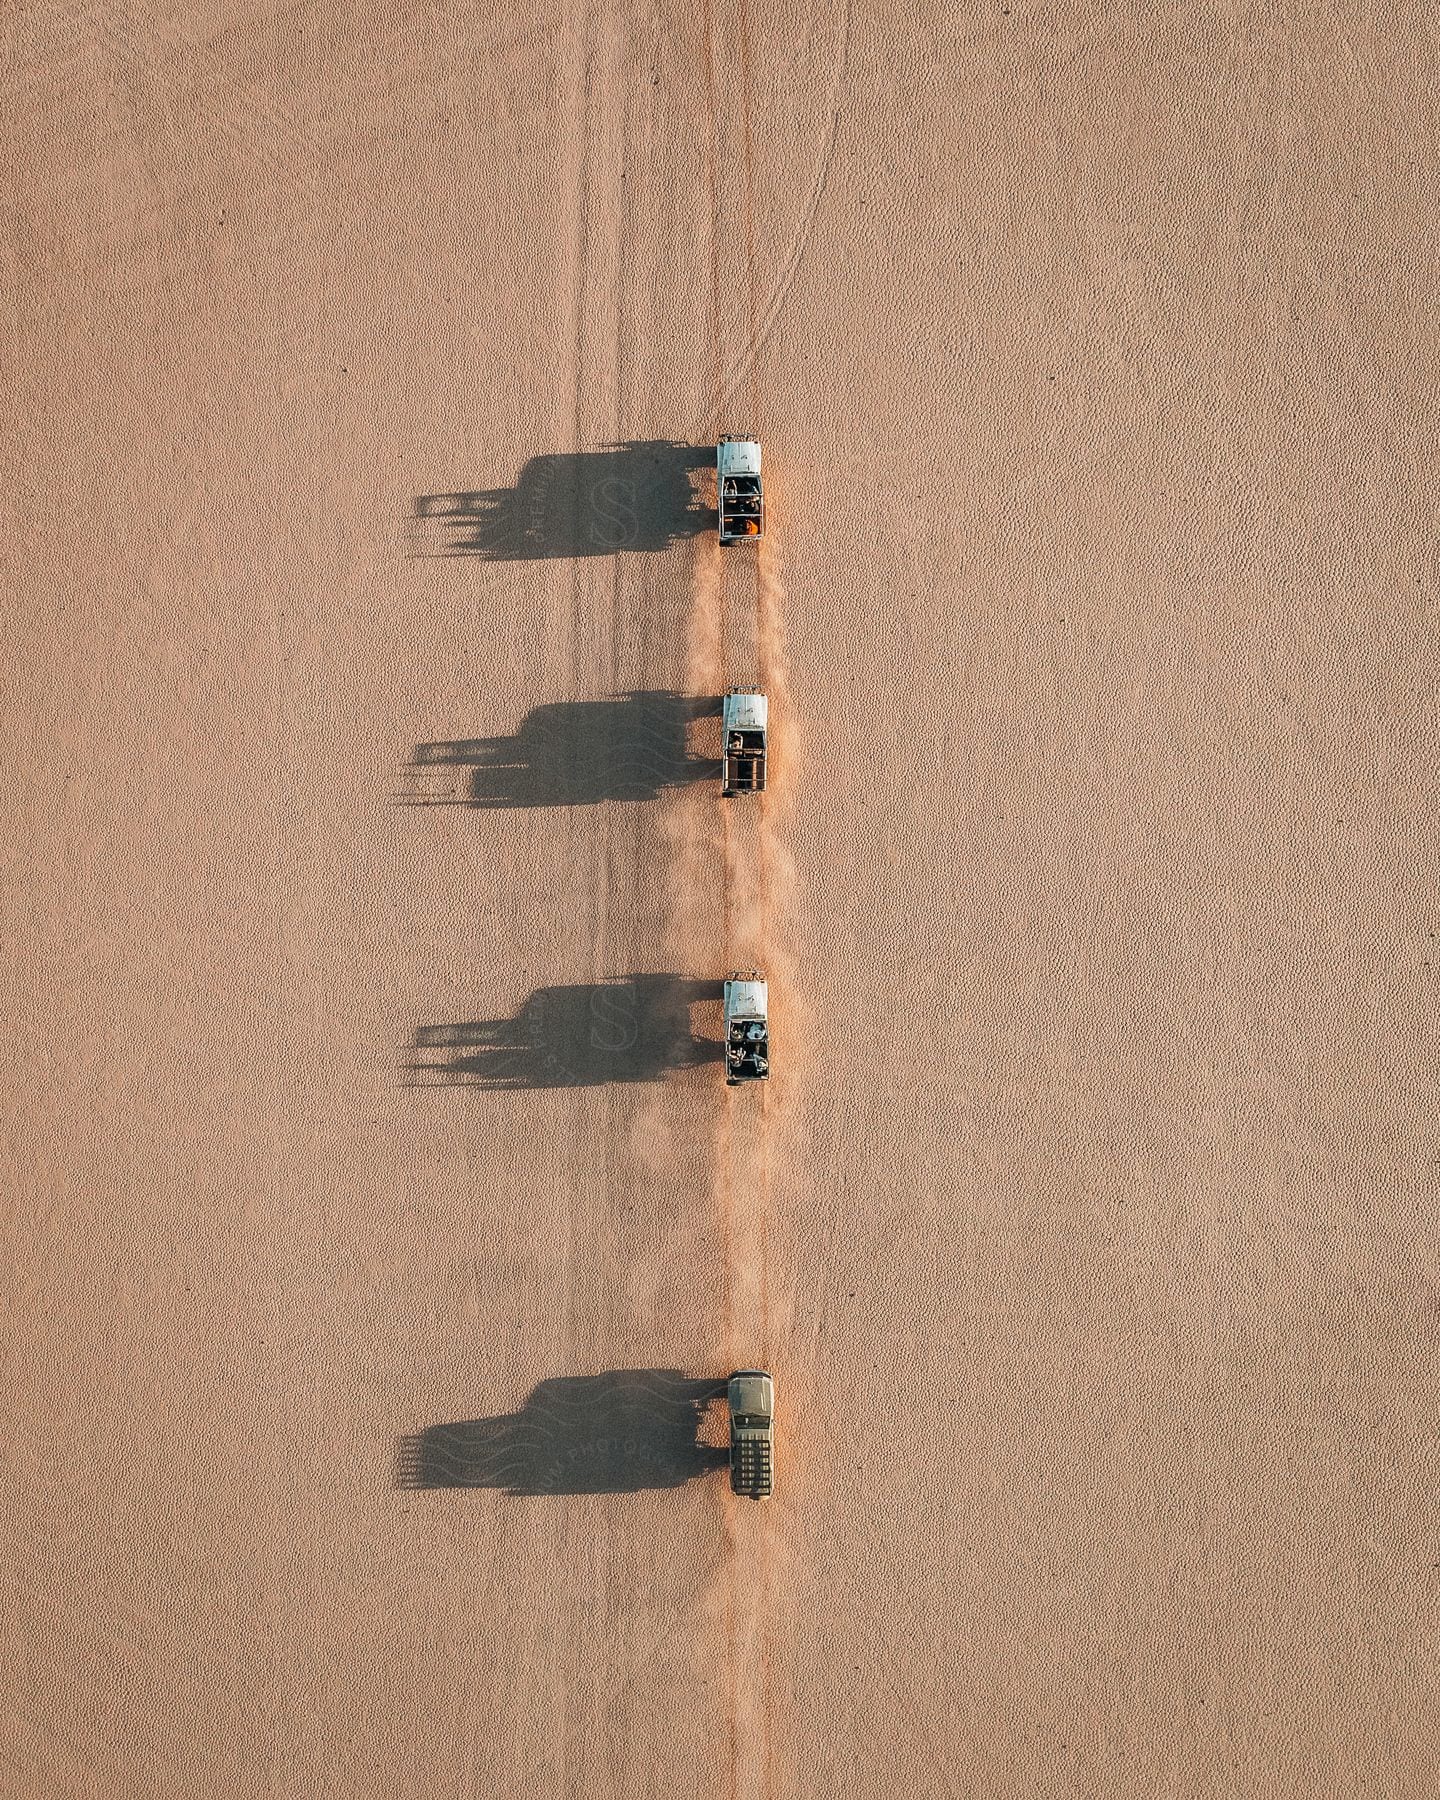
635, 1029
631, 497
617, 1433
569, 753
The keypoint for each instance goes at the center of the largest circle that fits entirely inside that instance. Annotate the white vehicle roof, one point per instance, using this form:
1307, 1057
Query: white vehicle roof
747, 998
738, 456
746, 712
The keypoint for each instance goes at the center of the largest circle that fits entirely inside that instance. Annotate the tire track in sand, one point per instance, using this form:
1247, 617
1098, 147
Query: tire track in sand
768, 315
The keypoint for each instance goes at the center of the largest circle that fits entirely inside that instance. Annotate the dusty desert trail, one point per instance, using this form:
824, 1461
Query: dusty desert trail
377, 1224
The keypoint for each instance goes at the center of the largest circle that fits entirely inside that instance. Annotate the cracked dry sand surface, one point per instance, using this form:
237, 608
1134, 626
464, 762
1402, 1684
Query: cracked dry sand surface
378, 1225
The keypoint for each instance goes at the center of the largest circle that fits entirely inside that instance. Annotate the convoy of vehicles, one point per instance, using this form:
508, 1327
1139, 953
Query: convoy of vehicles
745, 714
752, 1433
745, 718
740, 498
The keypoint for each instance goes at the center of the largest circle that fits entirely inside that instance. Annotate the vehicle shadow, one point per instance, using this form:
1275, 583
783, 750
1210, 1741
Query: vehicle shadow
631, 1029
631, 497
617, 1433
569, 753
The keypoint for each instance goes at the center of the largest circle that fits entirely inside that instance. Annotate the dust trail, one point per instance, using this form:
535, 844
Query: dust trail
703, 662
691, 824
746, 1176
775, 665
702, 905
705, 869
759, 867
699, 864
779, 917
779, 881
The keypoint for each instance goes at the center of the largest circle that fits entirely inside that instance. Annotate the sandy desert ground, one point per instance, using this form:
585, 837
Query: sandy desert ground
377, 1224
